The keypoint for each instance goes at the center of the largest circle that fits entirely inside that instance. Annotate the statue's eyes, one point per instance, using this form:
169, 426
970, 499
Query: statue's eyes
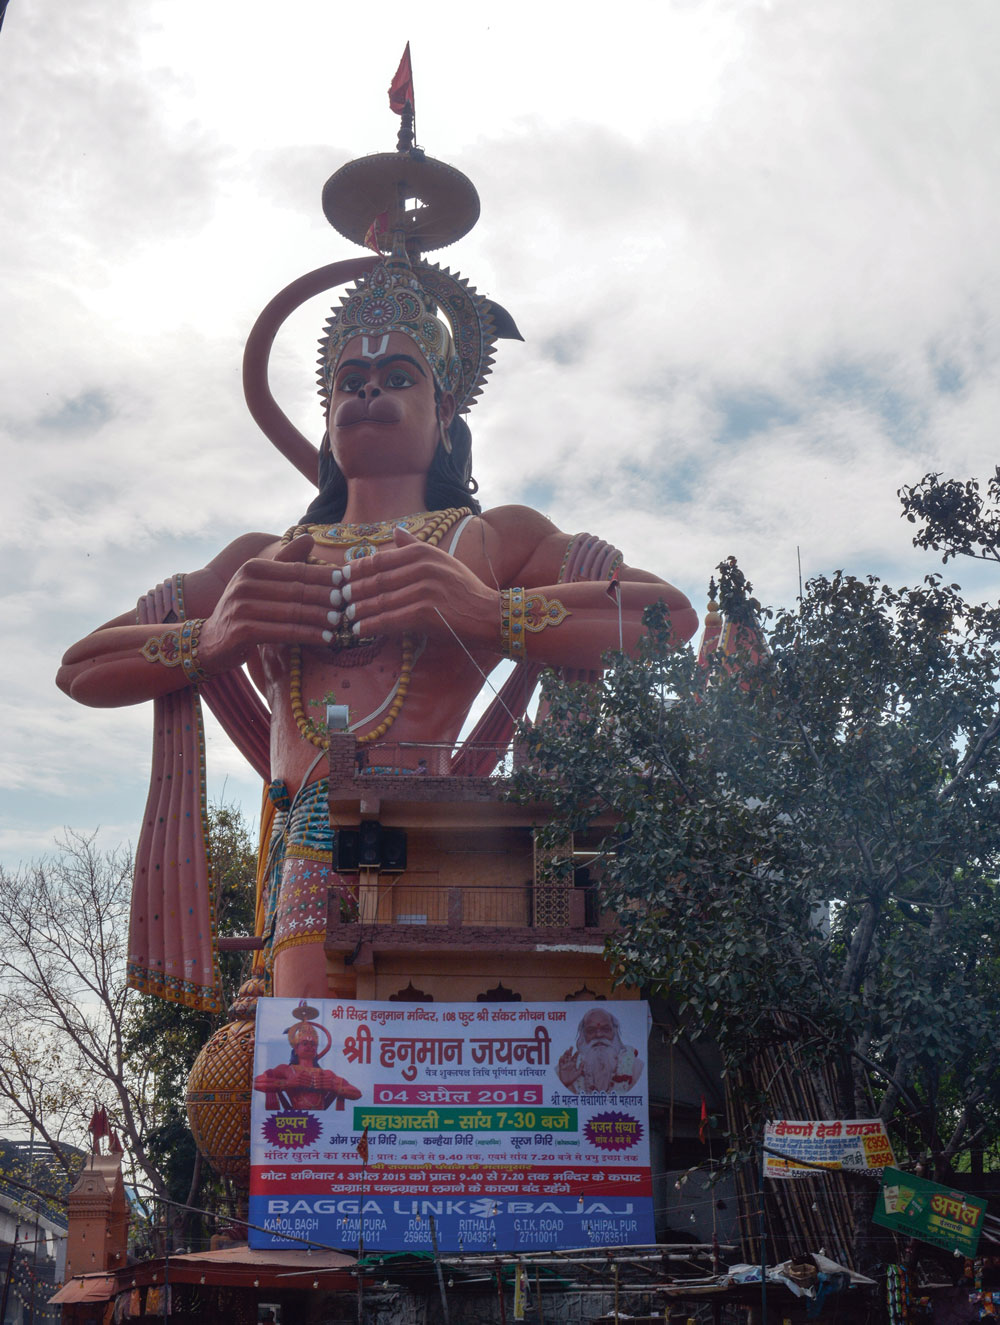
398, 379
351, 382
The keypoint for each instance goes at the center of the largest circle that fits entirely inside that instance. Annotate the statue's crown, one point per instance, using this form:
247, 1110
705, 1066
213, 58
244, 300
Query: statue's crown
415, 204
450, 324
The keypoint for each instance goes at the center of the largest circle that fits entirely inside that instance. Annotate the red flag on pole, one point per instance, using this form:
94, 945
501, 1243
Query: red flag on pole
377, 234
703, 1125
98, 1126
401, 87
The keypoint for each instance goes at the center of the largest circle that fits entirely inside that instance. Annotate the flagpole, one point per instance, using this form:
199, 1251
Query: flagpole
362, 1150
614, 590
440, 1275
361, 1234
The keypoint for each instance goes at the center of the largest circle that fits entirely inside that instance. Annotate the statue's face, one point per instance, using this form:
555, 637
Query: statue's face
383, 416
306, 1047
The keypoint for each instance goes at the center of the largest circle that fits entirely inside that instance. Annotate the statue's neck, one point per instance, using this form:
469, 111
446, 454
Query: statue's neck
373, 499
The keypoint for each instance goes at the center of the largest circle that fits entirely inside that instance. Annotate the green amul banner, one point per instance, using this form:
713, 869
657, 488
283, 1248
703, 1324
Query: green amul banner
930, 1212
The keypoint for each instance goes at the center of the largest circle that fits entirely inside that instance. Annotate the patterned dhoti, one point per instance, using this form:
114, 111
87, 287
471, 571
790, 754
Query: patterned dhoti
300, 872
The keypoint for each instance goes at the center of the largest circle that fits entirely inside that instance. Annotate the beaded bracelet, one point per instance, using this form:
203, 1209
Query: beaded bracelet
178, 648
512, 643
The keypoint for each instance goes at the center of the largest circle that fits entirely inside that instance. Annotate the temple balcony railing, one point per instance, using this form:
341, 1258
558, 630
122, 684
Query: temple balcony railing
436, 759
414, 915
527, 906
464, 868
400, 781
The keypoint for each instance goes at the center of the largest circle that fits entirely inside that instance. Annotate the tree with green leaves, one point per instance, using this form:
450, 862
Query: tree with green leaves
954, 517
805, 846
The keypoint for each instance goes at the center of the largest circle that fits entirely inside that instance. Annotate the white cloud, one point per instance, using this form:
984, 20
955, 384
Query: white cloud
750, 247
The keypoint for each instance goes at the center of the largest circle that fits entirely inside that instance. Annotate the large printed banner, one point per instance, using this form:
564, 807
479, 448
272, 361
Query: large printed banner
800, 1148
511, 1126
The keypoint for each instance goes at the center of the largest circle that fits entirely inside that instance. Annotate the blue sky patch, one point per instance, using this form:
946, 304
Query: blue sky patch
86, 412
748, 412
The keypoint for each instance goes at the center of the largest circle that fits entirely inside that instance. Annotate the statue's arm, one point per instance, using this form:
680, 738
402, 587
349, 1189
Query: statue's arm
274, 1077
418, 588
245, 599
574, 624
338, 1085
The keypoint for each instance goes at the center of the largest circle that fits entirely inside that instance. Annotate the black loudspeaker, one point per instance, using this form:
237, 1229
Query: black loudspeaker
345, 851
393, 849
370, 844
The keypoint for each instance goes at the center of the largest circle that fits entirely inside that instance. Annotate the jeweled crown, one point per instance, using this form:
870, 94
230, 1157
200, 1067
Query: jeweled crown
390, 299
450, 324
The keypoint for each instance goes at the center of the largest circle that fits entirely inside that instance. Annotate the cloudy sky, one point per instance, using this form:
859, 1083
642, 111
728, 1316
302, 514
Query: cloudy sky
750, 244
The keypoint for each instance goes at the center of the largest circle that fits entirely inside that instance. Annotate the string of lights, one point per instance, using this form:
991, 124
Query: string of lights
26, 1285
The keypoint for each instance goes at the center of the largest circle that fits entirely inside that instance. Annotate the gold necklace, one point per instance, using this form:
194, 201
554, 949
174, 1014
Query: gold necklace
428, 528
361, 540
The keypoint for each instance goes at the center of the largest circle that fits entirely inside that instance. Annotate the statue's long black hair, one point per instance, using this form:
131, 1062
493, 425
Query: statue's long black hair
449, 479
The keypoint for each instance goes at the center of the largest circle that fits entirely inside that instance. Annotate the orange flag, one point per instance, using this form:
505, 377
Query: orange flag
401, 87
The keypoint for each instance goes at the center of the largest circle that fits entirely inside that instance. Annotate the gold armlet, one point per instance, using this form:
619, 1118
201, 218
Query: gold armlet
512, 624
541, 612
520, 614
178, 648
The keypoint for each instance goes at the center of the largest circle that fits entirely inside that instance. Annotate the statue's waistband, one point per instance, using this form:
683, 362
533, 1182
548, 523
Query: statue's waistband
302, 819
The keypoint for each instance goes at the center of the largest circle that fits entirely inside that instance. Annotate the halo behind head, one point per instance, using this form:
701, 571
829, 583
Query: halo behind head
434, 204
